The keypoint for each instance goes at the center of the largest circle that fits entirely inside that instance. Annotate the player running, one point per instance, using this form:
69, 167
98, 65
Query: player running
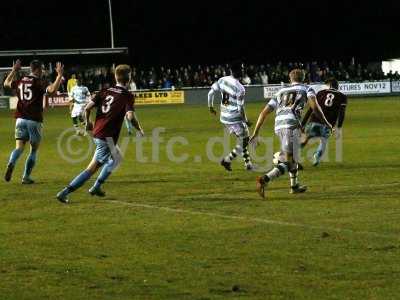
79, 96
333, 104
289, 102
112, 105
30, 91
233, 114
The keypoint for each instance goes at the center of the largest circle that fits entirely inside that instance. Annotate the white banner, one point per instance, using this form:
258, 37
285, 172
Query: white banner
365, 88
396, 86
348, 88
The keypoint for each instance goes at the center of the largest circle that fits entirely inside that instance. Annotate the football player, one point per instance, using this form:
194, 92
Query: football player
232, 114
79, 96
333, 104
288, 103
112, 105
30, 91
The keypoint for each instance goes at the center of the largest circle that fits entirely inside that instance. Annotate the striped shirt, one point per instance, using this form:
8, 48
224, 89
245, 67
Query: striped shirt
289, 103
232, 102
80, 94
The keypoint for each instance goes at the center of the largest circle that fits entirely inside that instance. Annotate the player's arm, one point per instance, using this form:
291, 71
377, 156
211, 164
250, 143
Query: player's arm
11, 76
131, 116
341, 117
260, 121
88, 109
211, 96
306, 117
313, 103
53, 88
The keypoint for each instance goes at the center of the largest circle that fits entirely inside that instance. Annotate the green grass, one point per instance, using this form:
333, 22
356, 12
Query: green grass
192, 231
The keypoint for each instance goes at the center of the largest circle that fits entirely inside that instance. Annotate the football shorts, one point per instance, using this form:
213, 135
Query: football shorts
290, 140
317, 130
240, 130
28, 130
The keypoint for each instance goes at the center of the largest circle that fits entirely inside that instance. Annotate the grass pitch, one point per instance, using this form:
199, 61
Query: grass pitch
190, 230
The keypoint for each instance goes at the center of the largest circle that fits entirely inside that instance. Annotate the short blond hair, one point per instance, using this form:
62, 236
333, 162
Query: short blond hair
296, 75
122, 74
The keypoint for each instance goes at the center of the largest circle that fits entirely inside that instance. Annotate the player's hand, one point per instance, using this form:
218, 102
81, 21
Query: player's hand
140, 133
212, 111
254, 139
59, 68
17, 65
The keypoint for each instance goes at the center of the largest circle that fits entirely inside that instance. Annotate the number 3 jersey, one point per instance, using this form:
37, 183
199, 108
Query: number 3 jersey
233, 93
331, 102
112, 105
30, 91
289, 103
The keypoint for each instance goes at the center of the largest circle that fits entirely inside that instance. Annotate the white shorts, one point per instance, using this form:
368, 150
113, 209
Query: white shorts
241, 130
78, 110
290, 140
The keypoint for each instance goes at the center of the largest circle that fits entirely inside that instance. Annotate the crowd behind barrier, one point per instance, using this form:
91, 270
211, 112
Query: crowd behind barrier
156, 78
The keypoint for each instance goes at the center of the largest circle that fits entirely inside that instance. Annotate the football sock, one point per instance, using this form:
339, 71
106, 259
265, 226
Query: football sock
78, 181
277, 171
105, 172
30, 163
293, 176
231, 155
246, 154
15, 155
322, 146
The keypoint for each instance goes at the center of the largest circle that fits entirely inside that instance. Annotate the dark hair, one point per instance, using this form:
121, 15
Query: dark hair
35, 64
333, 83
237, 67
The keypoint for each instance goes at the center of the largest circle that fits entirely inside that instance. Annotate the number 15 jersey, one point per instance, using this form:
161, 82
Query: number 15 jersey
232, 92
30, 91
112, 105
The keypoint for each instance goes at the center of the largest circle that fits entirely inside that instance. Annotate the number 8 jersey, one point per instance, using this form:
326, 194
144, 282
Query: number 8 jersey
30, 91
331, 102
112, 105
233, 93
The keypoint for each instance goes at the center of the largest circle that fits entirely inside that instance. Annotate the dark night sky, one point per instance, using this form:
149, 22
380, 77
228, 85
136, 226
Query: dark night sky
168, 32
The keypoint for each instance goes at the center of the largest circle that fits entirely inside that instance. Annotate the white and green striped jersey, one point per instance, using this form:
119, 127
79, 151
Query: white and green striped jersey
232, 102
80, 94
289, 103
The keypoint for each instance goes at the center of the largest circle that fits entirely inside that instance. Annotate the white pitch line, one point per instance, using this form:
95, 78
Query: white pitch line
253, 220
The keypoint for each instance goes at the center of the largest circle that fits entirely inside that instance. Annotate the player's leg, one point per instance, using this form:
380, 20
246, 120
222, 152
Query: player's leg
101, 155
15, 154
289, 147
75, 123
21, 137
30, 164
35, 136
227, 160
280, 168
108, 168
323, 141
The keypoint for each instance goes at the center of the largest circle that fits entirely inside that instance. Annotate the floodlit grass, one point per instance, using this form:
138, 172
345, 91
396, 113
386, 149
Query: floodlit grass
193, 231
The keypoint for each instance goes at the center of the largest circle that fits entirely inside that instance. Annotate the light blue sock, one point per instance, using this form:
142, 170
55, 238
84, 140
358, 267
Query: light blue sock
14, 156
78, 181
128, 124
30, 163
321, 147
105, 172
